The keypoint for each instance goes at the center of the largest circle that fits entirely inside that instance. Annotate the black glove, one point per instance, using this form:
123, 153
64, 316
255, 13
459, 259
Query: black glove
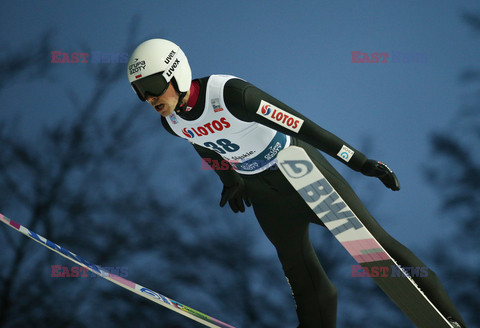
235, 195
380, 170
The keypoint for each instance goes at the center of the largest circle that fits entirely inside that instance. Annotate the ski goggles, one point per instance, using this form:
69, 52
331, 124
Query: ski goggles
154, 85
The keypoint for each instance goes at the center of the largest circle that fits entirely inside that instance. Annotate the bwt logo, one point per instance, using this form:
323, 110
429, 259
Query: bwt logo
95, 57
395, 57
59, 271
345, 153
206, 129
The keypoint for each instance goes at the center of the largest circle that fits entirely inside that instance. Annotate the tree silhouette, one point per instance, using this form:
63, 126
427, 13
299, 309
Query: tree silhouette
455, 174
64, 186
97, 183
91, 183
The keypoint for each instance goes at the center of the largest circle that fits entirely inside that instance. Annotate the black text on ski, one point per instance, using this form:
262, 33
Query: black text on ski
330, 208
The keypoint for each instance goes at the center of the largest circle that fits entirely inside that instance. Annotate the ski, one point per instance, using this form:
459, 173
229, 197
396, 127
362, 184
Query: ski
129, 285
348, 229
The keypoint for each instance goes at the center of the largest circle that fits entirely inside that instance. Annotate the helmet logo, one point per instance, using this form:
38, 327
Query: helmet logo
136, 67
169, 57
173, 61
171, 70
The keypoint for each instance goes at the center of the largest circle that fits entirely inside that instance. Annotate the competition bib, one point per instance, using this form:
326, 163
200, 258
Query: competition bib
248, 146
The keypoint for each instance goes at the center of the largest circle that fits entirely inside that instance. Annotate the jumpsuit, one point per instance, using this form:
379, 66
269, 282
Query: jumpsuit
285, 217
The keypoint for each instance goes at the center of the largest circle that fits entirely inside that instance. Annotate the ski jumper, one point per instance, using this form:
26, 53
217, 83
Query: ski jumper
238, 129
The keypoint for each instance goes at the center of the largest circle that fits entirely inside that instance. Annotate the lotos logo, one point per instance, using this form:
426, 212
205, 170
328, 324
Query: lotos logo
279, 116
188, 133
203, 130
266, 109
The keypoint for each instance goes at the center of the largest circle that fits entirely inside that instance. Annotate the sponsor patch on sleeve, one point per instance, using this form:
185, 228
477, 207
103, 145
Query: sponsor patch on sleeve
345, 153
279, 116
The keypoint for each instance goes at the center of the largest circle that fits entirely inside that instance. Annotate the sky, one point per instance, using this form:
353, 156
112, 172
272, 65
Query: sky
298, 51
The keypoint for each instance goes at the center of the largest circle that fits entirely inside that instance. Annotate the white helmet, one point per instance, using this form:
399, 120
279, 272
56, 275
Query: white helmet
163, 61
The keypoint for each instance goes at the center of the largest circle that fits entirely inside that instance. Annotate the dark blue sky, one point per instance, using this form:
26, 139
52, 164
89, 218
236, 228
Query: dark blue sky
300, 52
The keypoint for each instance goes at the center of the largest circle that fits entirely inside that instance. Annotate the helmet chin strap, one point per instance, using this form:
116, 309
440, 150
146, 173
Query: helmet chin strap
180, 108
